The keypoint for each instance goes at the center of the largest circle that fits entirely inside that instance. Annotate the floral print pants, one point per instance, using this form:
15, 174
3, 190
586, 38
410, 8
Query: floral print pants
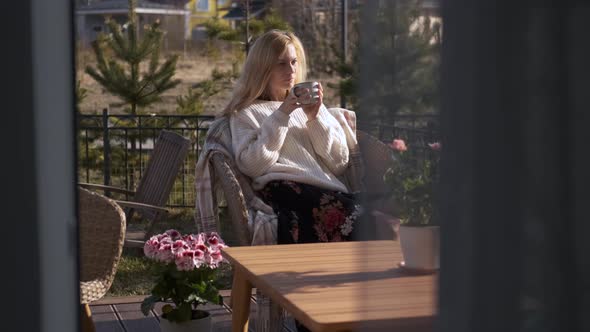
309, 214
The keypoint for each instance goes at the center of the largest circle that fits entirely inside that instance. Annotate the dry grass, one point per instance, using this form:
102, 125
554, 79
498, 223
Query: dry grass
190, 69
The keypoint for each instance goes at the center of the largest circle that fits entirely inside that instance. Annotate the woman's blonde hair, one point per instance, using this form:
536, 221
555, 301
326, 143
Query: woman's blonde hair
261, 59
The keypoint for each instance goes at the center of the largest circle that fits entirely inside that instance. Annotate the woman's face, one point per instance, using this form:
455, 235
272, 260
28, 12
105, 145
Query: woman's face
282, 75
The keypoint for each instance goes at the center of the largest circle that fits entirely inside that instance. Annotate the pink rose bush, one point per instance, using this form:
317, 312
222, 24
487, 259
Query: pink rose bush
436, 146
412, 178
398, 145
186, 272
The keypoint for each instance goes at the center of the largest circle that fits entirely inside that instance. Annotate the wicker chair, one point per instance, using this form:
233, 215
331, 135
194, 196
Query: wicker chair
153, 190
236, 189
102, 226
376, 158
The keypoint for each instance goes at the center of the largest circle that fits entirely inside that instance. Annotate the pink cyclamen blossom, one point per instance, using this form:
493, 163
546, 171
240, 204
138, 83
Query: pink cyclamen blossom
193, 240
200, 257
214, 258
174, 234
166, 240
179, 246
185, 261
215, 241
189, 238
200, 246
150, 249
165, 254
398, 145
201, 238
185, 251
436, 146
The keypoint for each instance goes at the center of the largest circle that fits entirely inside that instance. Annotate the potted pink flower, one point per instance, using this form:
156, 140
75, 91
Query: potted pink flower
186, 271
412, 178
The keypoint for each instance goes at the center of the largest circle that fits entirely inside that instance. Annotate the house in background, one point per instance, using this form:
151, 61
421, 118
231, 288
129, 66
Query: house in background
237, 12
202, 10
174, 19
229, 11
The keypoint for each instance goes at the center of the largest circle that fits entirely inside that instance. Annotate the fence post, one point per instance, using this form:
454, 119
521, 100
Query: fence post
106, 149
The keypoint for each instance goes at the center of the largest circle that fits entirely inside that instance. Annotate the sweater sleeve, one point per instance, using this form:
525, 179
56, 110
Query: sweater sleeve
329, 141
256, 146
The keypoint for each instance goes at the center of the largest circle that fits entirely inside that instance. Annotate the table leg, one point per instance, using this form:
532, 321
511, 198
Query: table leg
240, 301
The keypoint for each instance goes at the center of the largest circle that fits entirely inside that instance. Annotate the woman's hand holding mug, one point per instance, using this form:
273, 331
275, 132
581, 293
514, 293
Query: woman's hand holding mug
290, 103
307, 95
310, 96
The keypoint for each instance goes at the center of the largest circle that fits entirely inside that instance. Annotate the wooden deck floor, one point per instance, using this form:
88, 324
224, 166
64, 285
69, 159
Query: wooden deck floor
123, 314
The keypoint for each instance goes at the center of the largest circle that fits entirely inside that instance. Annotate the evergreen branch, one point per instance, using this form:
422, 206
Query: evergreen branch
117, 43
166, 69
155, 56
146, 46
95, 75
132, 37
170, 85
144, 84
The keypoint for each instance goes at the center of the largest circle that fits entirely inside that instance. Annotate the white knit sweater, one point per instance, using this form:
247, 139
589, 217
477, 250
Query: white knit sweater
271, 145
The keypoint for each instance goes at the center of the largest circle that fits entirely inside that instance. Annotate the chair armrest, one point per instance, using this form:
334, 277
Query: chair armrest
106, 188
236, 203
135, 205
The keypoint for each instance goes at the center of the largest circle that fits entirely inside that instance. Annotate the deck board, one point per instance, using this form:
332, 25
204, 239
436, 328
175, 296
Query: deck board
105, 318
123, 314
134, 320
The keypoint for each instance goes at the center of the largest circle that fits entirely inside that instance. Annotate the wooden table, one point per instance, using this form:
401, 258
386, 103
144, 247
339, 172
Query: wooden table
344, 286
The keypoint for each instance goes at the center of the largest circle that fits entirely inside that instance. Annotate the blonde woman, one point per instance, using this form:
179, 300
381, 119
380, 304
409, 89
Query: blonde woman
295, 154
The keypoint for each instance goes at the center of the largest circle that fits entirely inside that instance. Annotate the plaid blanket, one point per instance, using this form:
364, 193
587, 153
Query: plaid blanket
262, 220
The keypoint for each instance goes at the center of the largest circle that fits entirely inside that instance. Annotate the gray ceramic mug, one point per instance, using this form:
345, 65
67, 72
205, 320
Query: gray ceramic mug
299, 89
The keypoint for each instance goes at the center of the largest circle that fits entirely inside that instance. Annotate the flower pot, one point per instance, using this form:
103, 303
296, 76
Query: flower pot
194, 325
420, 247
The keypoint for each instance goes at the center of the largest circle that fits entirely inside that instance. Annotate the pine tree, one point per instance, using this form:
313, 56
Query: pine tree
119, 55
120, 74
399, 64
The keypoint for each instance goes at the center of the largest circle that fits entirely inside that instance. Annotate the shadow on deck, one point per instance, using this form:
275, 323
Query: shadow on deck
123, 314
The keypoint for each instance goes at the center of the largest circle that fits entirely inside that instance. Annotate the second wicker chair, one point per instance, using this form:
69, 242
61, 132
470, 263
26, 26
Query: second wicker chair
101, 226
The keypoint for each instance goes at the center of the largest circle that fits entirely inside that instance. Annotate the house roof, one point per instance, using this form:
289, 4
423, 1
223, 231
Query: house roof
122, 6
237, 12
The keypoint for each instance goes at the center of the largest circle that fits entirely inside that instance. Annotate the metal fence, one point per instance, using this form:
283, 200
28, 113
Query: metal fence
113, 149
